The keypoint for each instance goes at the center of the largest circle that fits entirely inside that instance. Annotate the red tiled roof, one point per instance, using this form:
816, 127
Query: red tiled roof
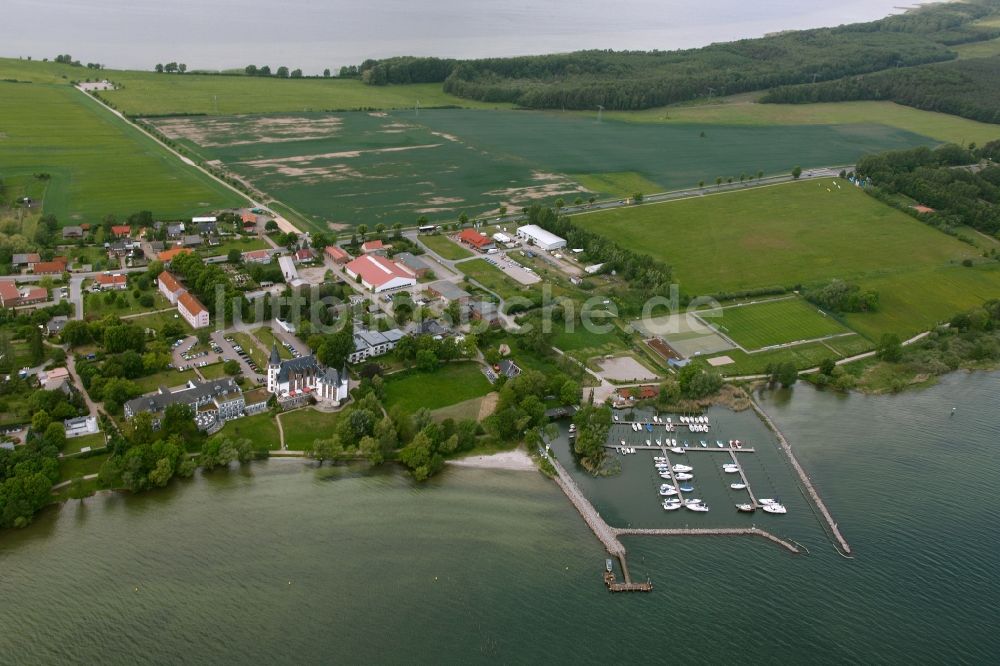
372, 245
376, 270
249, 218
336, 252
106, 280
121, 230
170, 282
36, 294
8, 291
167, 255
191, 304
304, 253
48, 267
474, 238
256, 254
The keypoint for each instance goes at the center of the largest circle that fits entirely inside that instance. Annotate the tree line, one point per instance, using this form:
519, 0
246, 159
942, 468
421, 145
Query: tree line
967, 88
935, 179
628, 80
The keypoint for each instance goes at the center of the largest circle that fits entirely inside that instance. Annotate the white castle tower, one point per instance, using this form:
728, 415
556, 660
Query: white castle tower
273, 366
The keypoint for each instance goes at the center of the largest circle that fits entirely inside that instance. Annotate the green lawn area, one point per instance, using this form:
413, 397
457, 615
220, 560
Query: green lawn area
251, 347
303, 426
450, 384
95, 305
266, 337
444, 246
782, 235
492, 278
582, 339
260, 429
985, 49
59, 131
242, 244
802, 356
621, 184
741, 111
168, 378
213, 371
774, 322
94, 441
468, 409
70, 468
156, 320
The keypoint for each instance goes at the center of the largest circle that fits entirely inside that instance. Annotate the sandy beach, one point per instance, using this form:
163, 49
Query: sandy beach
516, 460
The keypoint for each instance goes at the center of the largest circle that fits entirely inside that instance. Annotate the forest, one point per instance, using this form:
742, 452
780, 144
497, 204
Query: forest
967, 88
941, 179
629, 80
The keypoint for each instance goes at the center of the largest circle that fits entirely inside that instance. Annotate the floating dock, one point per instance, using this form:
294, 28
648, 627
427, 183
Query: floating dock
721, 531
690, 449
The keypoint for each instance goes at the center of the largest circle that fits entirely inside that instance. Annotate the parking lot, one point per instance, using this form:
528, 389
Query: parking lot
513, 269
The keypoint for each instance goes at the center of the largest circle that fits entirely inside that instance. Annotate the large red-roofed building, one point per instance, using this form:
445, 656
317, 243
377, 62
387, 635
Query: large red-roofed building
380, 274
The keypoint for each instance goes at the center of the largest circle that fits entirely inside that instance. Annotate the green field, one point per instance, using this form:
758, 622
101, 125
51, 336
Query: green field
444, 246
742, 111
783, 235
774, 322
802, 356
978, 49
351, 168
95, 306
303, 426
97, 163
492, 278
267, 339
450, 384
260, 429
168, 378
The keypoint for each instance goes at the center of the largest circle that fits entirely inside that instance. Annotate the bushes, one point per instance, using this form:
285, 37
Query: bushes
840, 296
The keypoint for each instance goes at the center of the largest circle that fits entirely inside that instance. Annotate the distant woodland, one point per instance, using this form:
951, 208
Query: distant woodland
628, 80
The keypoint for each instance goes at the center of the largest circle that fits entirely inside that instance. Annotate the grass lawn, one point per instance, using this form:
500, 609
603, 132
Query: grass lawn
468, 409
168, 378
985, 49
773, 323
741, 111
260, 429
620, 184
243, 244
803, 356
59, 131
251, 347
303, 426
70, 468
266, 337
492, 278
213, 371
156, 320
782, 235
582, 339
94, 441
450, 384
444, 246
95, 305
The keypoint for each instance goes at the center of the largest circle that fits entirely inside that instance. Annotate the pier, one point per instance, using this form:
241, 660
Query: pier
806, 483
721, 531
743, 476
690, 449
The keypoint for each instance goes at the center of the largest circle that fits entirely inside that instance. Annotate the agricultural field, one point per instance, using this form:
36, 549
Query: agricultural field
742, 110
450, 384
763, 324
341, 169
96, 163
782, 235
444, 246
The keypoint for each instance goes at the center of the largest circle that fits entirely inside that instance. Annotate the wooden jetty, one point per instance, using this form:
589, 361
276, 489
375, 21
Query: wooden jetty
743, 476
845, 547
721, 531
690, 449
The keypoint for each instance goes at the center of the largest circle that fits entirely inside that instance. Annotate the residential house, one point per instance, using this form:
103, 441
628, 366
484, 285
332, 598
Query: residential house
304, 255
121, 231
80, 426
337, 254
111, 282
32, 295
72, 232
170, 287
448, 291
192, 240
485, 311
10, 295
54, 378
56, 325
476, 240
24, 260
192, 310
374, 246
257, 257
168, 255
380, 274
53, 267
175, 230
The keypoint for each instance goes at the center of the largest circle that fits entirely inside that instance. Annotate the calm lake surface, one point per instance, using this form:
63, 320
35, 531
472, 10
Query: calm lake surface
280, 564
314, 34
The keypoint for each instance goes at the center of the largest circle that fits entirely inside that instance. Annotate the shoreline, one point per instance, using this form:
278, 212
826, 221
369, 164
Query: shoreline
516, 460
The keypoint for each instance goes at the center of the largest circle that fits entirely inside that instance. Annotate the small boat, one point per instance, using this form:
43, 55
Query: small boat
671, 506
686, 488
667, 492
615, 418
659, 442
635, 427
623, 442
766, 501
685, 444
745, 508
739, 444
681, 468
692, 501
572, 427
700, 508
631, 449
731, 469
738, 486
676, 449
704, 443
774, 507
684, 476
665, 476
719, 443
649, 443
649, 427
608, 564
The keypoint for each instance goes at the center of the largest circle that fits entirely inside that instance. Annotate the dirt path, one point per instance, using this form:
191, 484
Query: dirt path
488, 405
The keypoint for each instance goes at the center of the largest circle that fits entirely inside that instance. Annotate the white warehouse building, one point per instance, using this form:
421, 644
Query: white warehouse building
541, 237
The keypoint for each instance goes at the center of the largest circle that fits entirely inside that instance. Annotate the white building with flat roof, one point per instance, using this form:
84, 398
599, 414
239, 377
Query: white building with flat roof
540, 237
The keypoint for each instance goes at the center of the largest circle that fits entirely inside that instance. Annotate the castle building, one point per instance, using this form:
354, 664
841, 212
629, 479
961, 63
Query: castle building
295, 380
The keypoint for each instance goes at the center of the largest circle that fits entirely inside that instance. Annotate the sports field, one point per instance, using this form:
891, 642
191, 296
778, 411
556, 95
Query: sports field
783, 235
767, 323
98, 164
343, 169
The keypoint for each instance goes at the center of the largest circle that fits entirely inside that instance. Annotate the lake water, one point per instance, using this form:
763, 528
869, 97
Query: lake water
279, 564
314, 34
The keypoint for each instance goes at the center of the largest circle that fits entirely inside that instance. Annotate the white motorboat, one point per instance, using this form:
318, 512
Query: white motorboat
665, 476
731, 469
623, 442
676, 449
704, 443
668, 491
615, 417
719, 443
681, 468
635, 427
699, 508
766, 501
745, 508
683, 476
659, 442
671, 506
692, 501
774, 507
738, 486
649, 443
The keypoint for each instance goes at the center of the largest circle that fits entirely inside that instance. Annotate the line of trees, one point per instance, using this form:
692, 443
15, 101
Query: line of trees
627, 80
968, 88
841, 296
171, 68
281, 72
